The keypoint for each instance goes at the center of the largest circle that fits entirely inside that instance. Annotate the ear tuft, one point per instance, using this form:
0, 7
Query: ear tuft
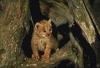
49, 21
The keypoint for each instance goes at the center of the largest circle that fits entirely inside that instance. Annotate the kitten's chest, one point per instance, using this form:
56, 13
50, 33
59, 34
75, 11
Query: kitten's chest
42, 42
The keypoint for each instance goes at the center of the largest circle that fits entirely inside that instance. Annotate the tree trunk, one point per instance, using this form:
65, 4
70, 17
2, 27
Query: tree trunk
12, 30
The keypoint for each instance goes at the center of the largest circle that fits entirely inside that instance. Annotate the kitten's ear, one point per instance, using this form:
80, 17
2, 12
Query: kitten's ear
37, 25
49, 21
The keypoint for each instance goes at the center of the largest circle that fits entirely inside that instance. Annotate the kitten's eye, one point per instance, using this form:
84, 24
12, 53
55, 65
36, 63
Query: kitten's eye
44, 31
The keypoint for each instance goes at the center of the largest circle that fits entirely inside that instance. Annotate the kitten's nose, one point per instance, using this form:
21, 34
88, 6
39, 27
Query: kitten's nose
48, 34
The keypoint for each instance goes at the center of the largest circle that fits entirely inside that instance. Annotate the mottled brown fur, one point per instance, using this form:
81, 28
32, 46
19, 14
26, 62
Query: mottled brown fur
42, 40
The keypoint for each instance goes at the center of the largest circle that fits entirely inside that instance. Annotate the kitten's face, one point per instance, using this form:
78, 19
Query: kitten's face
43, 28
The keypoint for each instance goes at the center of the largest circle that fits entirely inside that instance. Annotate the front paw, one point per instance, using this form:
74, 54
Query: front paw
45, 58
35, 57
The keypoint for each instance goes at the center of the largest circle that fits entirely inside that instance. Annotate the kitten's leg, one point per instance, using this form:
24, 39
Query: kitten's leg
35, 54
46, 55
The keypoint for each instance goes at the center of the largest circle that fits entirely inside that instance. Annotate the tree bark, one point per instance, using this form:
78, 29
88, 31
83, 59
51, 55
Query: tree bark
12, 31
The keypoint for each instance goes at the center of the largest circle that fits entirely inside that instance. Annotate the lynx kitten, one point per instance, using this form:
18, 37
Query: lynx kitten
42, 40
